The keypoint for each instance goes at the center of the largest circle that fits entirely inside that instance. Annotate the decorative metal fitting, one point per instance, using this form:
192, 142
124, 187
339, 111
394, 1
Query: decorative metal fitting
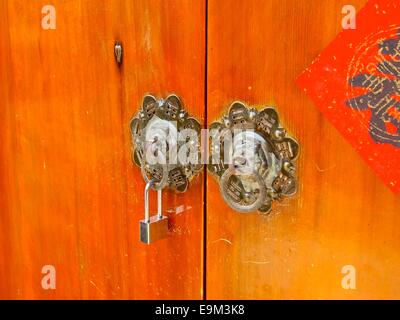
252, 156
156, 133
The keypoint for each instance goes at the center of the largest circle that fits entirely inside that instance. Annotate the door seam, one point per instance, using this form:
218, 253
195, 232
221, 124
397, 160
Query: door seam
205, 166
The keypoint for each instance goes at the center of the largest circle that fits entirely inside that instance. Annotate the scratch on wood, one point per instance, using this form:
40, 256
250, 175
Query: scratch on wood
222, 239
97, 288
323, 170
256, 262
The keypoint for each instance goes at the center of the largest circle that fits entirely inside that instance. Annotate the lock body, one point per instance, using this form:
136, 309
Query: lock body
156, 228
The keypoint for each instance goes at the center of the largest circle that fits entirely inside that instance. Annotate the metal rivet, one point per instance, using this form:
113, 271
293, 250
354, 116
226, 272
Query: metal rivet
118, 52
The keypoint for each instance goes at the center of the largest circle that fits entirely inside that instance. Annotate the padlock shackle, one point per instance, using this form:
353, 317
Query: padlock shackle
146, 201
159, 203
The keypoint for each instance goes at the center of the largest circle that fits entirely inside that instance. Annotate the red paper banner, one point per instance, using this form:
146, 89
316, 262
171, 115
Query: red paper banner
355, 82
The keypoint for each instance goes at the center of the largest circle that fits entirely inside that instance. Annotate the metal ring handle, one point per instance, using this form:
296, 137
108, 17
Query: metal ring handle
156, 185
161, 121
245, 208
261, 158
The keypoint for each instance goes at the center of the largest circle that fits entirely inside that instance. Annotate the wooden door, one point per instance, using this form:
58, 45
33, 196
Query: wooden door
70, 196
342, 213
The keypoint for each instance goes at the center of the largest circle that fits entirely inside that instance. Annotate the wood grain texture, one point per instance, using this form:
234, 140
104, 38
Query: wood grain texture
342, 214
69, 193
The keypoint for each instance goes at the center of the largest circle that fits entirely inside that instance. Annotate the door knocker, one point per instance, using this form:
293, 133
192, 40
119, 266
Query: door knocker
167, 149
252, 156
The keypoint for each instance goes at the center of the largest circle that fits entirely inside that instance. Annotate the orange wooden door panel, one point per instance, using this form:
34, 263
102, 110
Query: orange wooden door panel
69, 193
342, 213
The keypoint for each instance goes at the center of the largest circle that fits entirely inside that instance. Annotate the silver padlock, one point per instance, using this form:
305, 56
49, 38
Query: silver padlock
155, 227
